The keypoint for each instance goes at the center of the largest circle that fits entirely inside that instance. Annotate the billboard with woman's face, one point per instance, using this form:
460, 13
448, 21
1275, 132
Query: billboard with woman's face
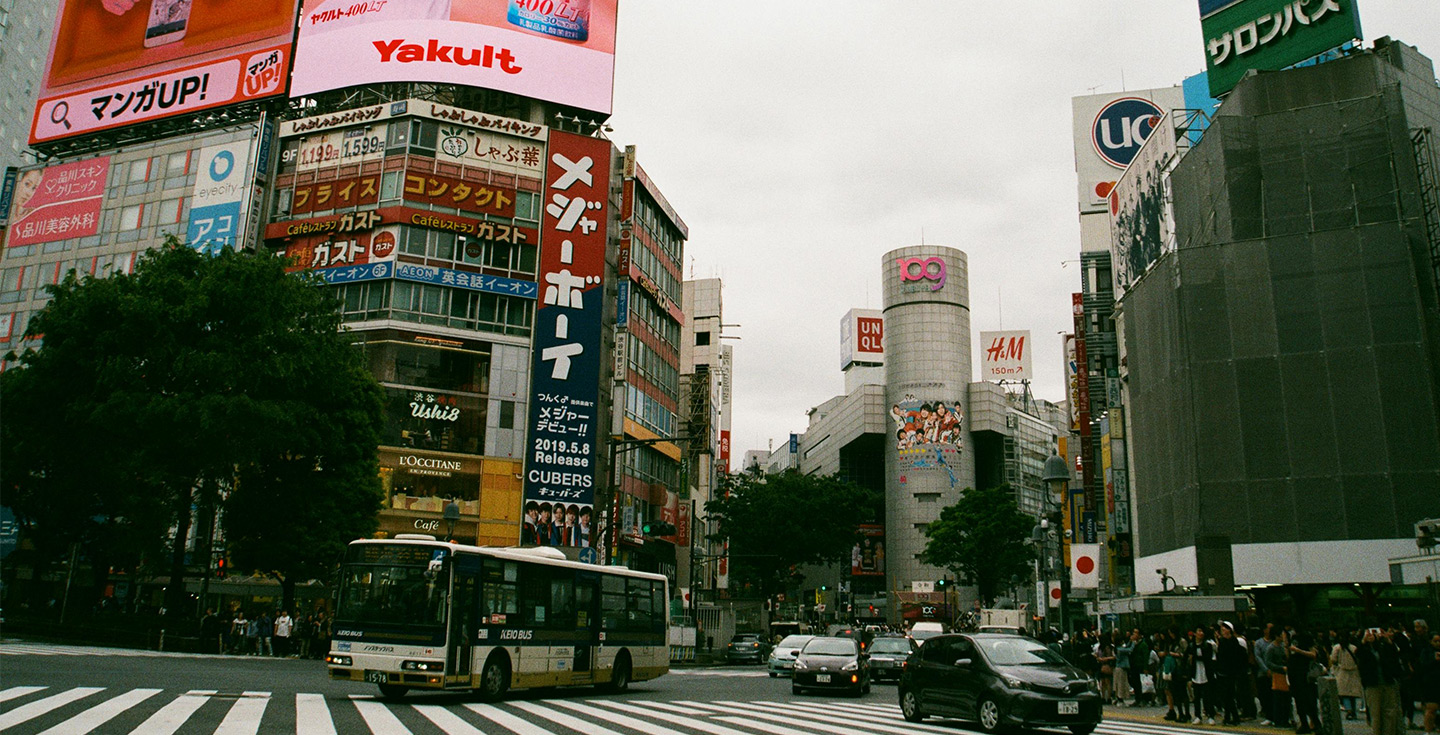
118, 62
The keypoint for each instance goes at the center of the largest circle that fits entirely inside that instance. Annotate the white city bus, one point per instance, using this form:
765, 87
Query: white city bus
416, 613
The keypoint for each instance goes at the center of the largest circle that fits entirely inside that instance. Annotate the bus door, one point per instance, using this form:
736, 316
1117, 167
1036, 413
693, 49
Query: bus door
587, 621
464, 607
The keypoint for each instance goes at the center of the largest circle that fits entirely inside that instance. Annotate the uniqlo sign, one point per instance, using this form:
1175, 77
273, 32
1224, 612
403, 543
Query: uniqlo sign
565, 374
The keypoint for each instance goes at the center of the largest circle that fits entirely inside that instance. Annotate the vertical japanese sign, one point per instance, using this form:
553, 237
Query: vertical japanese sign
725, 451
1072, 384
565, 373
58, 203
217, 208
1082, 412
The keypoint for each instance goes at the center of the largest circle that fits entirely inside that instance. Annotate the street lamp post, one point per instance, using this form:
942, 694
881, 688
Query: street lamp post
1057, 479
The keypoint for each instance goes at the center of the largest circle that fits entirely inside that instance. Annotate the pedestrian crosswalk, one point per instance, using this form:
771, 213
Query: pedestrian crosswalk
20, 648
81, 710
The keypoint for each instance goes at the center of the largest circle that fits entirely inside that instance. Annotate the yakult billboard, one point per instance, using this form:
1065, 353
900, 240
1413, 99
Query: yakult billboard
117, 62
556, 50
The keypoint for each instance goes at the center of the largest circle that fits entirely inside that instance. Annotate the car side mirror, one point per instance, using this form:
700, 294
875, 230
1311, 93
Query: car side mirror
963, 662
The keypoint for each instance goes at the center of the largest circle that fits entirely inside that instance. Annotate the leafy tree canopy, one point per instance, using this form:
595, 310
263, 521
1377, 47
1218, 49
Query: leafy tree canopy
984, 539
193, 379
774, 523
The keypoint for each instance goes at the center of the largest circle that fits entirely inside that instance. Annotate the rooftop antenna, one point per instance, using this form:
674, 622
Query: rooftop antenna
922, 234
1122, 80
1000, 302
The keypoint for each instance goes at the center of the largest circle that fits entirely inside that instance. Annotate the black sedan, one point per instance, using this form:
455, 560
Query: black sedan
831, 662
888, 655
999, 681
747, 647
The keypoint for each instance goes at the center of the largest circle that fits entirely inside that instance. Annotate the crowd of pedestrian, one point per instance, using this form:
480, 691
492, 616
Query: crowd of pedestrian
1224, 675
266, 634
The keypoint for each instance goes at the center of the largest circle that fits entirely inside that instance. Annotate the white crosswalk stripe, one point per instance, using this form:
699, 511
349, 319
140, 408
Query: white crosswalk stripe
727, 673
16, 648
82, 710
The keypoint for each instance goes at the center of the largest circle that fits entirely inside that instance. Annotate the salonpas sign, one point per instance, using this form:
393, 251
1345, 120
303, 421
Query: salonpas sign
1272, 34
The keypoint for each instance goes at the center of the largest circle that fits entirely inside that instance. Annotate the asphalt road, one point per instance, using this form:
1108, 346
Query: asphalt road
63, 689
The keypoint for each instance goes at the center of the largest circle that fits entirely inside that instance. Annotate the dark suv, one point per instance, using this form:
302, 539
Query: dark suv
999, 681
747, 647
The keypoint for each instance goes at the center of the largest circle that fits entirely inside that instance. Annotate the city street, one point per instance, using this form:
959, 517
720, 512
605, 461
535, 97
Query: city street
71, 689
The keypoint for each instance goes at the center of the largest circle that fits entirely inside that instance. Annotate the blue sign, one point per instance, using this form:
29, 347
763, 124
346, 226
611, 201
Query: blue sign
354, 273
589, 555
7, 193
622, 310
465, 279
1121, 128
1214, 6
9, 532
794, 443
219, 196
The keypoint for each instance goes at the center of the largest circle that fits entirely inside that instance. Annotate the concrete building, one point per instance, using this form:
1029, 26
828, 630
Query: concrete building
1283, 359
25, 29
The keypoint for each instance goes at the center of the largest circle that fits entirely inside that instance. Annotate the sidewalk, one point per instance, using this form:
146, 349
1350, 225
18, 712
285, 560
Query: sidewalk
1156, 716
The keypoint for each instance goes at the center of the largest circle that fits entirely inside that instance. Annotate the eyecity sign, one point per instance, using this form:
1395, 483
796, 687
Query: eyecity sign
1272, 34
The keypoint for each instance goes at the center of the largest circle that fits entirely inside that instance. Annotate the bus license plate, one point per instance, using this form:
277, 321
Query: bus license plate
379, 677
822, 678
1069, 708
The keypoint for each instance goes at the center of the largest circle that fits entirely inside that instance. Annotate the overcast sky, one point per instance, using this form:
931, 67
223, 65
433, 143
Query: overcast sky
801, 141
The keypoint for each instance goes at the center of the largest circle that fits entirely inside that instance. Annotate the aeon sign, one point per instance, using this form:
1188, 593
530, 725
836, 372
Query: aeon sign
1121, 127
923, 269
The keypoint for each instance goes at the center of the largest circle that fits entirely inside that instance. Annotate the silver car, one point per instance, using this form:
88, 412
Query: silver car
782, 659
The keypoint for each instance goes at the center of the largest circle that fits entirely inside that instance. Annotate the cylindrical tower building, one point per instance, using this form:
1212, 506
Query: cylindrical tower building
928, 460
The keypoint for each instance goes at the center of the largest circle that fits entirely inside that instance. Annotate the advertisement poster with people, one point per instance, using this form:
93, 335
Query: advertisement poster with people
928, 434
556, 524
867, 559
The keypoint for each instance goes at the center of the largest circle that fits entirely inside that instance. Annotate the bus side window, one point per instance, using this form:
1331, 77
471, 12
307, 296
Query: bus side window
612, 602
639, 612
499, 594
562, 600
535, 596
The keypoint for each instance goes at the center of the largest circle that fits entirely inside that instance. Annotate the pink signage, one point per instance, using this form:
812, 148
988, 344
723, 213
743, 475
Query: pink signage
58, 203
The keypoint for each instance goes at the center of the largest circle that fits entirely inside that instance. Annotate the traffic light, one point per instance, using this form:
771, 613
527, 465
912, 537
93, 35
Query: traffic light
941, 584
220, 567
658, 528
824, 587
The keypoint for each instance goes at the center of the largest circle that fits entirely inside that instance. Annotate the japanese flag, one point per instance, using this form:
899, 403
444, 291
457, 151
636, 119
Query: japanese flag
1084, 566
1054, 593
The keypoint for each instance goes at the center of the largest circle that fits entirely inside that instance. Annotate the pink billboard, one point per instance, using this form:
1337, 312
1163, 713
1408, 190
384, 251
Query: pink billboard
119, 62
556, 50
58, 203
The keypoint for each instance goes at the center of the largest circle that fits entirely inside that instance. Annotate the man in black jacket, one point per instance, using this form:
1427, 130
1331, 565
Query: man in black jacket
1381, 672
1231, 667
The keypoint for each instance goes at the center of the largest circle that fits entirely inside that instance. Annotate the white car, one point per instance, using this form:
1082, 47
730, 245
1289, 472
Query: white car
782, 658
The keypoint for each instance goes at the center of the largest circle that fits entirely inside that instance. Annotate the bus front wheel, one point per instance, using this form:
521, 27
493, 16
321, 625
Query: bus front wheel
620, 673
392, 691
495, 677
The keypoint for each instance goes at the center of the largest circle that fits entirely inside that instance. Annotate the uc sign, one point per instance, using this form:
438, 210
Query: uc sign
1121, 127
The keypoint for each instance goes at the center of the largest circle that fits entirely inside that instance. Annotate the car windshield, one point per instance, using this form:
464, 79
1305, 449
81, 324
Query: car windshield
795, 641
745, 639
890, 645
1018, 651
921, 635
831, 647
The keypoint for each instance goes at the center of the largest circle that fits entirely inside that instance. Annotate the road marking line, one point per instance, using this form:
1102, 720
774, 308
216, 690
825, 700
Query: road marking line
170, 717
505, 719
379, 718
15, 692
312, 716
39, 707
447, 720
579, 725
875, 722
700, 725
659, 705
775, 729
101, 713
245, 715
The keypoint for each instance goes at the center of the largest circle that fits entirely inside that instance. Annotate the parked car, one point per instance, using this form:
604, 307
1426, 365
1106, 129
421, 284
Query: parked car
999, 681
782, 658
831, 662
747, 648
888, 655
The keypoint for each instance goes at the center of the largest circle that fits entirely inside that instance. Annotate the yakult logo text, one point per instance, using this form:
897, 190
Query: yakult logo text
923, 269
487, 56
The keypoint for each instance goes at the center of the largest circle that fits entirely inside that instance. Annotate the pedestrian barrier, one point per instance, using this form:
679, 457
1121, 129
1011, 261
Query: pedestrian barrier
682, 654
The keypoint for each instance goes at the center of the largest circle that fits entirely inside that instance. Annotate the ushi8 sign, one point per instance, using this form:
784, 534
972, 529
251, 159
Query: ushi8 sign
555, 50
565, 373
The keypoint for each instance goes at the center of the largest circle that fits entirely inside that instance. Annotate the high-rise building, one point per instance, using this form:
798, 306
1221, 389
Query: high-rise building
1283, 362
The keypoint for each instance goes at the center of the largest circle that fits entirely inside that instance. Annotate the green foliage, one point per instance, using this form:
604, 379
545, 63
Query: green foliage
776, 522
161, 390
983, 538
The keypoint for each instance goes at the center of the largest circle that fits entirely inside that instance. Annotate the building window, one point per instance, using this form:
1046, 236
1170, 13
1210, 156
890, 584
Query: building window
702, 339
130, 216
178, 164
169, 212
507, 415
139, 171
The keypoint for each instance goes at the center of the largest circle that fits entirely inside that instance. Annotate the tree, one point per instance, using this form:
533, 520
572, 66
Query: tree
774, 523
155, 392
983, 538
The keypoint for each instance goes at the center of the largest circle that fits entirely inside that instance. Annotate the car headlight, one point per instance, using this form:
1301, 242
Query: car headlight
1014, 683
1093, 685
800, 665
422, 665
852, 666
334, 660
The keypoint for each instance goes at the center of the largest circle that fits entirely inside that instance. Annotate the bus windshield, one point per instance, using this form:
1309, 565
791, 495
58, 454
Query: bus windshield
411, 592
